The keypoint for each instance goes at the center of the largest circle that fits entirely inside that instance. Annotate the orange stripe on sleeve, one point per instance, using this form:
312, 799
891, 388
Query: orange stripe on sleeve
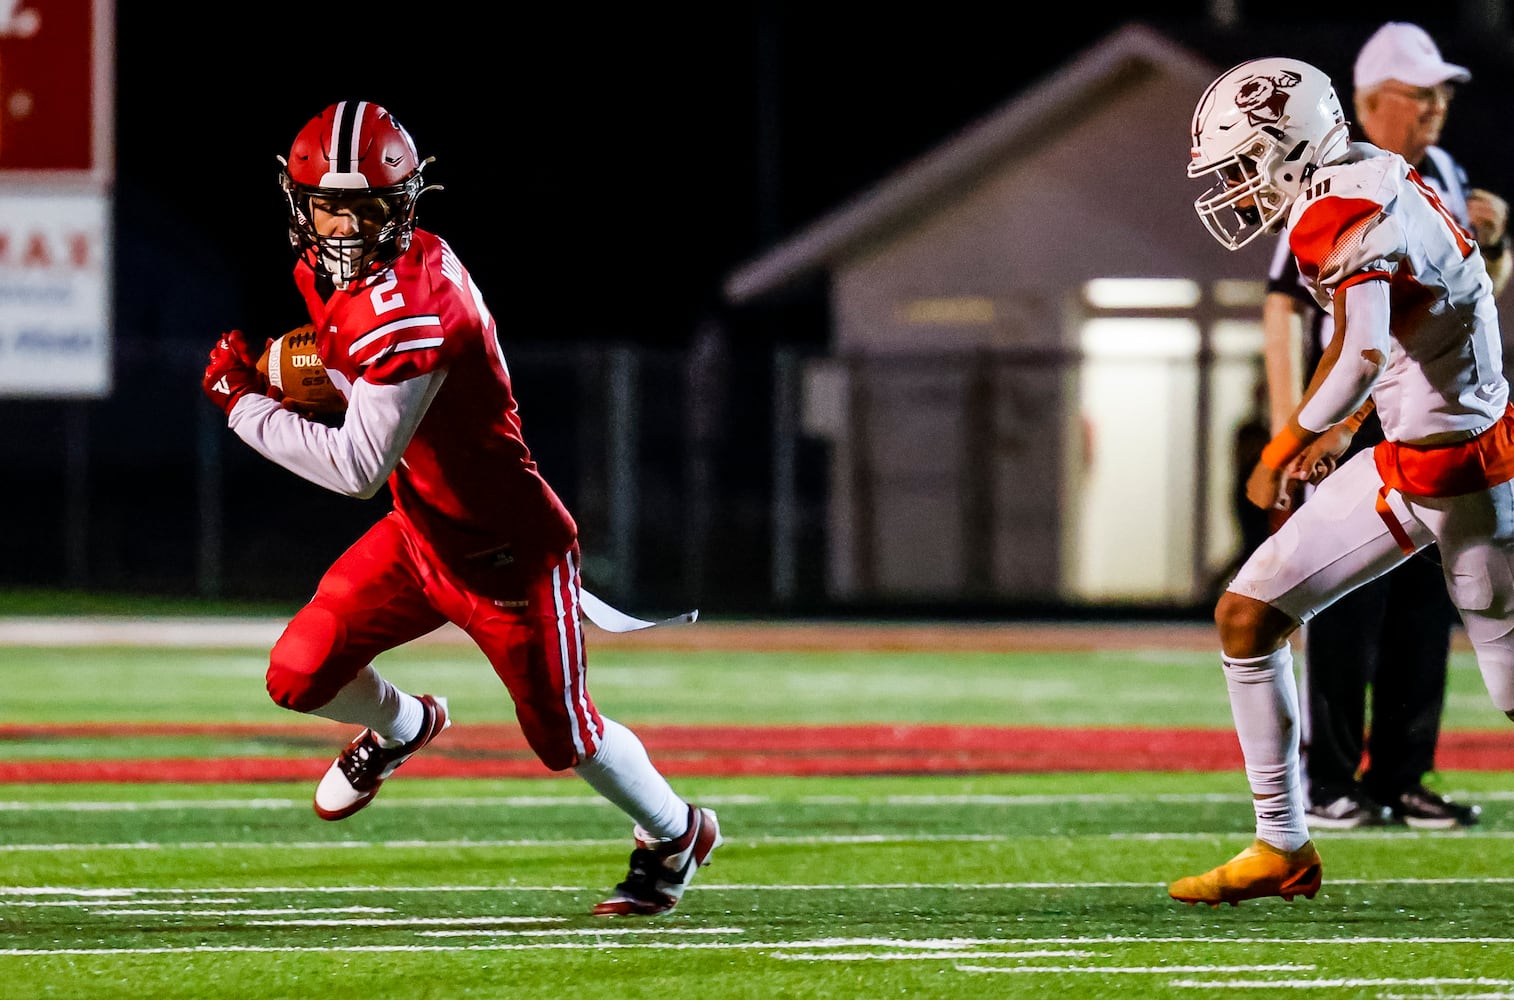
1324, 226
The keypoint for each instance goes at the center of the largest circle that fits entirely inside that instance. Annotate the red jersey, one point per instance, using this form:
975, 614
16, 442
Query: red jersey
466, 480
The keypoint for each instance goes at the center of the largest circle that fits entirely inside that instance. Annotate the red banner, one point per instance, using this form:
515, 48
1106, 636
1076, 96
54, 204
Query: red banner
47, 77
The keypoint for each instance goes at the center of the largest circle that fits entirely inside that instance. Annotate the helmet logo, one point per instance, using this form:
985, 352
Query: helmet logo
1264, 97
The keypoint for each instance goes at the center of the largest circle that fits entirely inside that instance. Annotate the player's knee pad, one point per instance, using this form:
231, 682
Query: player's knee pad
300, 675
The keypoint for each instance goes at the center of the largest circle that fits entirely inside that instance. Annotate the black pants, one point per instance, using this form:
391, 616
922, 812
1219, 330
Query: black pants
1392, 636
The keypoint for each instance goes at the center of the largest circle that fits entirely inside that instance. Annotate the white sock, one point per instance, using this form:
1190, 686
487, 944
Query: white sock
368, 700
1264, 705
622, 772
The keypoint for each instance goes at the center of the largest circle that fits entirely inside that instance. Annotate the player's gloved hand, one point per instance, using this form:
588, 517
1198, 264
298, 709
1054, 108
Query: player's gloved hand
232, 371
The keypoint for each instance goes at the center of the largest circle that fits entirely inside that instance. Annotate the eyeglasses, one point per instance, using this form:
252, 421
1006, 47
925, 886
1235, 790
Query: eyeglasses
1439, 94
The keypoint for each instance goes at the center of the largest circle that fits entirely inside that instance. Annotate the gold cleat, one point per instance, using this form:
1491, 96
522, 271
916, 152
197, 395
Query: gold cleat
1258, 871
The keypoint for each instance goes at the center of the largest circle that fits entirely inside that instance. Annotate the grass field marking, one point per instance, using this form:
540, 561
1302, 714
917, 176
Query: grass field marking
552, 801
132, 891
1396, 833
579, 931
960, 946
1446, 996
1337, 984
775, 887
539, 801
174, 804
50, 890
161, 805
1136, 969
1270, 940
897, 956
307, 845
767, 841
420, 922
955, 947
105, 905
190, 910
970, 886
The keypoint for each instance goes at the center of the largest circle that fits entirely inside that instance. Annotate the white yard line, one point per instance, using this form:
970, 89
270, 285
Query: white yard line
595, 940
1076, 955
1134, 969
806, 841
89, 896
1337, 984
546, 801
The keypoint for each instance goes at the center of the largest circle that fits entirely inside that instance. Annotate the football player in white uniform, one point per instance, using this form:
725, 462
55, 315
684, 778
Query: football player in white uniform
1416, 336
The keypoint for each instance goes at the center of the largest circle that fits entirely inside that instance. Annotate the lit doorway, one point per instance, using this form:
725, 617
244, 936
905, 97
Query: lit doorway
1133, 498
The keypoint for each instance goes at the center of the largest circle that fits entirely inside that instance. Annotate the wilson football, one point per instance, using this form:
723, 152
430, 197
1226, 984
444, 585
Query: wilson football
297, 376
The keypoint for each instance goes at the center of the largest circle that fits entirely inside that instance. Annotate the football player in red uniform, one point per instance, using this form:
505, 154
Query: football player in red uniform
476, 535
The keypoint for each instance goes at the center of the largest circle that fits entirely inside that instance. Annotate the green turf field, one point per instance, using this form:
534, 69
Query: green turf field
949, 886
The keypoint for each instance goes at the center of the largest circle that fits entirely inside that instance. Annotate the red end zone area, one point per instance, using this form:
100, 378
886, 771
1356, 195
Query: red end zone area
496, 751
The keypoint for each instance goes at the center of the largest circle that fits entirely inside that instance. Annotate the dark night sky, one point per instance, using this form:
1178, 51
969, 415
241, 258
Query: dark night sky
603, 169
604, 172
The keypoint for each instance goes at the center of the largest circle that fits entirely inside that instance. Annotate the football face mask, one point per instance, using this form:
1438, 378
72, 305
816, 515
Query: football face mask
1259, 132
353, 154
1242, 203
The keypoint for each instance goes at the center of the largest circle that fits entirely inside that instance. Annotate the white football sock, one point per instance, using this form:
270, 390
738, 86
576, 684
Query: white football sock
1264, 705
622, 772
368, 700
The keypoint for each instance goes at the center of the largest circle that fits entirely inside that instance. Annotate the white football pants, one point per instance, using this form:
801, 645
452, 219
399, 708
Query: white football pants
1337, 541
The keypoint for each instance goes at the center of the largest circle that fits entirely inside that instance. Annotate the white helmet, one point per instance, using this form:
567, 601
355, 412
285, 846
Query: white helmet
1262, 128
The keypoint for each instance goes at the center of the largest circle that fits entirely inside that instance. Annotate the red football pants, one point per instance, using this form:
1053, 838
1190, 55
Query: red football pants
386, 590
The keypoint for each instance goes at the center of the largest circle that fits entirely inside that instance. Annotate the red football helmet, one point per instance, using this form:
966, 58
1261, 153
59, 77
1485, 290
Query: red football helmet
353, 149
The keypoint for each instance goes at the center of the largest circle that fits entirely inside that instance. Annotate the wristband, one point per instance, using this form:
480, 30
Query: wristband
1497, 250
1281, 449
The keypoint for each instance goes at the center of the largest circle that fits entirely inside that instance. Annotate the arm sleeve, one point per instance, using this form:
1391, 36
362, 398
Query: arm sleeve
1363, 341
354, 459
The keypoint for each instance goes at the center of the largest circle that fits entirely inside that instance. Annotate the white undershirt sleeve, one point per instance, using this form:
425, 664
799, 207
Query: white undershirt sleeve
1363, 356
354, 459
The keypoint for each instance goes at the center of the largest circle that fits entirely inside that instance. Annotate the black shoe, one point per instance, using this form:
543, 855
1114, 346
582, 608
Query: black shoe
1351, 811
1423, 809
662, 869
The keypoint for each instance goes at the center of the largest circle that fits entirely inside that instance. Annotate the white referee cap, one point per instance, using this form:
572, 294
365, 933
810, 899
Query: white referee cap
1404, 52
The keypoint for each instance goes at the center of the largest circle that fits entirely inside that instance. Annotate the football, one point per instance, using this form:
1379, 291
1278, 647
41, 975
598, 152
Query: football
297, 376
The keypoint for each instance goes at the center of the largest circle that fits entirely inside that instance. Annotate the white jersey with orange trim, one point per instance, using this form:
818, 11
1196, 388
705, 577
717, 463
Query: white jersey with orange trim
1372, 217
